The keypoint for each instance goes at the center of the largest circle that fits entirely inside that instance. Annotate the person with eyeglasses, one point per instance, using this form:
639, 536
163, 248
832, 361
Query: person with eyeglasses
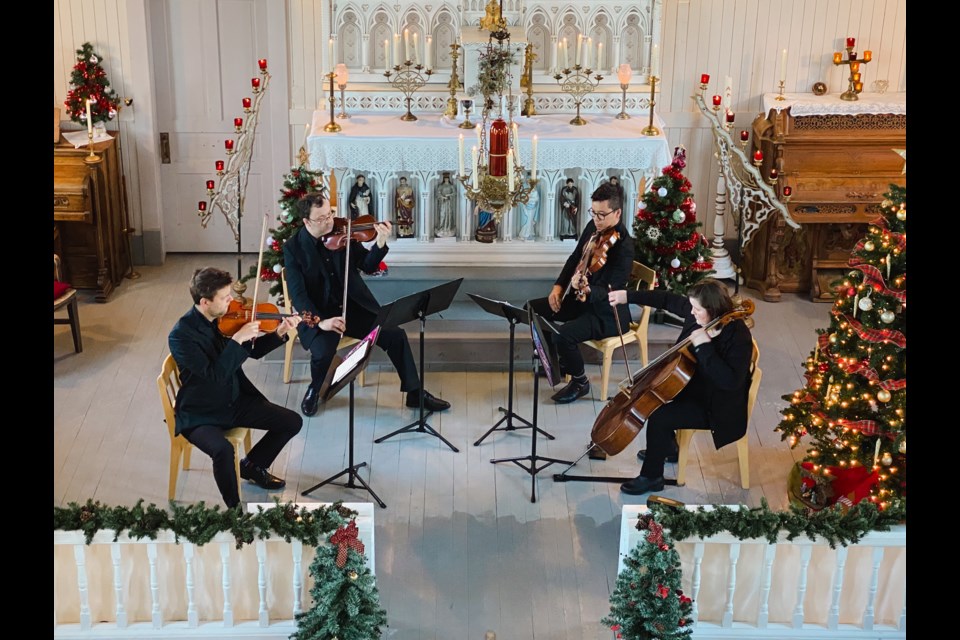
315, 277
592, 317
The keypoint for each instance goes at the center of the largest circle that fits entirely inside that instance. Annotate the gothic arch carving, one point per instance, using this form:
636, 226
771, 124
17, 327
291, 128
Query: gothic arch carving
380, 30
631, 42
539, 35
601, 32
350, 42
444, 34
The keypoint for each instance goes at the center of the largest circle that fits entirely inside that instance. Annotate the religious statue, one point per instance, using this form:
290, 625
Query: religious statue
493, 17
530, 215
360, 198
404, 204
569, 209
446, 207
615, 181
486, 226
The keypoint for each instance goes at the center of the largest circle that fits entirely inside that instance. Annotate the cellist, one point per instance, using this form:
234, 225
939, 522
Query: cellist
715, 397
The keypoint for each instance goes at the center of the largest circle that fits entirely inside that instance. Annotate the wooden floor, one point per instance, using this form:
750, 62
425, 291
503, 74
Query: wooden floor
460, 547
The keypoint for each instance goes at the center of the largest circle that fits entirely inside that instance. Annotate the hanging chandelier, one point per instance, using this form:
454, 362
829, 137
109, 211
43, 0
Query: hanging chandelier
497, 181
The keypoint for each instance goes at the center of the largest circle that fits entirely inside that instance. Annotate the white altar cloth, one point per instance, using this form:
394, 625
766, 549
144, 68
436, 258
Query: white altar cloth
371, 142
807, 104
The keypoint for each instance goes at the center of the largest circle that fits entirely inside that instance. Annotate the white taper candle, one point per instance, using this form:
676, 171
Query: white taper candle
655, 61
386, 55
89, 119
783, 65
533, 158
460, 155
475, 158
397, 55
416, 48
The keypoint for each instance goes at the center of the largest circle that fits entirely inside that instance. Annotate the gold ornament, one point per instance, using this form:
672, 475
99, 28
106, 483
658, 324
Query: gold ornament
903, 447
902, 215
887, 459
883, 395
352, 575
833, 338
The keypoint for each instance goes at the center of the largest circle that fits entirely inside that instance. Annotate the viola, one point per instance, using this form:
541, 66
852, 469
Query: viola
360, 229
625, 414
269, 316
594, 257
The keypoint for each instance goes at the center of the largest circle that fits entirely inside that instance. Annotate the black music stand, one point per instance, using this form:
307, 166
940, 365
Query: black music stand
343, 372
515, 315
403, 310
543, 355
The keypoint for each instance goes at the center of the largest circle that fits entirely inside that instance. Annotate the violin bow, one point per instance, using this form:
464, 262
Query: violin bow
623, 347
346, 269
256, 282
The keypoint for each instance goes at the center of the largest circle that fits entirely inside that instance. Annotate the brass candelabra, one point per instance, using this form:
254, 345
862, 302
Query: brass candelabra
623, 115
855, 85
454, 84
578, 82
332, 126
409, 79
651, 130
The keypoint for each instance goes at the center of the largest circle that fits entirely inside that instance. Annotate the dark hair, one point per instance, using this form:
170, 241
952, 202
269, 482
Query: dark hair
610, 193
712, 296
307, 202
617, 178
569, 180
207, 281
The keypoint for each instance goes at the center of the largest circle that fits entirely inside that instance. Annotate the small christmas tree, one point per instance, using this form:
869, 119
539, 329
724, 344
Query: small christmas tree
665, 230
853, 406
346, 603
647, 603
90, 83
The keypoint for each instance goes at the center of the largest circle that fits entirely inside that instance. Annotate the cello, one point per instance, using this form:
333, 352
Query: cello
625, 414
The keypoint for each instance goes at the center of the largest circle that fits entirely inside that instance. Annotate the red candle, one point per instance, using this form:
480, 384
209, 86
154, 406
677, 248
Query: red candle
246, 103
744, 135
499, 147
704, 78
210, 184
255, 82
202, 205
851, 42
852, 55
228, 144
219, 165
729, 116
787, 191
238, 122
774, 174
837, 58
263, 63
758, 155
716, 101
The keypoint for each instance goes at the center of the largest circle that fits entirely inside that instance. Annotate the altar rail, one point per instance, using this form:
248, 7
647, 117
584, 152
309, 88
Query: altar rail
791, 589
142, 588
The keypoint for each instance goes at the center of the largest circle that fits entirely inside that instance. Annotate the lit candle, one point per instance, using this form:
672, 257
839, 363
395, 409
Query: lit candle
730, 116
600, 60
787, 191
774, 174
510, 176
851, 42
716, 100
566, 56
246, 103
858, 86
704, 78
331, 54
655, 61
758, 155
856, 77
854, 66
533, 159
837, 58
386, 55
397, 57
89, 119
783, 65
263, 63
219, 165
587, 53
556, 55
460, 155
228, 144
416, 48
210, 184
255, 83
579, 54
202, 206
727, 93
475, 156
428, 56
867, 55
406, 44
744, 135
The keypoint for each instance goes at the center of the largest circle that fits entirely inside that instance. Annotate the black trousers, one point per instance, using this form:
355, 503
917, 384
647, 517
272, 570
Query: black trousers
685, 412
359, 324
280, 423
580, 323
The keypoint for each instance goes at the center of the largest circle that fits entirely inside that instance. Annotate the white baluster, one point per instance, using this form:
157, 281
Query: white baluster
718, 253
805, 550
262, 582
80, 555
297, 549
902, 625
768, 555
695, 581
731, 585
118, 586
193, 618
872, 593
225, 563
155, 615
833, 618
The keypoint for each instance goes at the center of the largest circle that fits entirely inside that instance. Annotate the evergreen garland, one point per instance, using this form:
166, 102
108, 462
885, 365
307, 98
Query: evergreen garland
198, 523
90, 82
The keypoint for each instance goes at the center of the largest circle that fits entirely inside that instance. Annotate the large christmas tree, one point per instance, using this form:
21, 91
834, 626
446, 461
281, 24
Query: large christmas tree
665, 230
90, 82
346, 602
852, 410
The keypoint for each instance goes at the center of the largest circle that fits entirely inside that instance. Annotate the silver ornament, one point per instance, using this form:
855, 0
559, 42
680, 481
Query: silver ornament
869, 246
903, 447
887, 316
887, 459
678, 216
865, 304
902, 215
675, 263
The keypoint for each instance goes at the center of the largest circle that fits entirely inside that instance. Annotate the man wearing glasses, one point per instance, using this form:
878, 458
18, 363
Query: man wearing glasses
591, 317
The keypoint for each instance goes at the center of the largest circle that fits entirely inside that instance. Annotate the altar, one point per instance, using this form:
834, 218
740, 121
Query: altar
383, 149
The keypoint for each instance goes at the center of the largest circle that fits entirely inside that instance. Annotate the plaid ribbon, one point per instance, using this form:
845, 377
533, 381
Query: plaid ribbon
873, 278
875, 335
346, 538
866, 427
866, 371
899, 239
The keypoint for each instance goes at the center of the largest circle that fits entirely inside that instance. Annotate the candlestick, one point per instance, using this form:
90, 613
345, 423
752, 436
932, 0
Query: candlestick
228, 145
219, 165
397, 60
255, 83
651, 130
579, 57
408, 79
716, 100
246, 105
89, 120
854, 86
533, 160
428, 56
332, 126
851, 42
406, 44
566, 59
783, 65
578, 82
460, 155
237, 124
416, 48
588, 53
331, 54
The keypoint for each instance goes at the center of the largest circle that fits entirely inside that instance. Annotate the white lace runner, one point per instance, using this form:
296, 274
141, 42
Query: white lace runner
807, 104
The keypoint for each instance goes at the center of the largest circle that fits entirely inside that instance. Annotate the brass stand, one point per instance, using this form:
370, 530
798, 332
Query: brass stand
780, 95
651, 130
332, 126
852, 89
529, 108
343, 103
407, 82
578, 83
623, 115
454, 84
92, 158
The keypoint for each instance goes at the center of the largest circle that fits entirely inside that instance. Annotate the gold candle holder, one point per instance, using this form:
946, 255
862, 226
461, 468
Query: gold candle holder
454, 84
91, 158
623, 115
578, 83
780, 95
343, 102
855, 86
651, 130
408, 81
332, 126
529, 108
467, 106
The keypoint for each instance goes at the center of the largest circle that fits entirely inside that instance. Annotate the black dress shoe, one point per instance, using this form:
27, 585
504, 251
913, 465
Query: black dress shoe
571, 392
260, 476
311, 400
671, 457
596, 453
640, 485
430, 401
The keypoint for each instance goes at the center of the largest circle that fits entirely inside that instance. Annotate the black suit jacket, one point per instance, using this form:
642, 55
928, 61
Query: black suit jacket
211, 377
309, 278
722, 379
614, 273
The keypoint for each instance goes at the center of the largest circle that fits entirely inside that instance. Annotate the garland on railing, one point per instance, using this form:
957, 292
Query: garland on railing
833, 525
198, 523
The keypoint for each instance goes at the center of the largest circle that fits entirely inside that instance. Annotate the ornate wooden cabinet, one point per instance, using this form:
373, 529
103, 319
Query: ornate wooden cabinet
89, 215
838, 159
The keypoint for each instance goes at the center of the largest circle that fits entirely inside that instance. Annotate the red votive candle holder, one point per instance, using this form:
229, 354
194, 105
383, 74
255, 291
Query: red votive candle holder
787, 191
246, 103
238, 122
228, 144
730, 116
263, 63
210, 184
851, 42
219, 165
774, 174
255, 83
704, 78
716, 101
758, 155
852, 55
744, 135
202, 205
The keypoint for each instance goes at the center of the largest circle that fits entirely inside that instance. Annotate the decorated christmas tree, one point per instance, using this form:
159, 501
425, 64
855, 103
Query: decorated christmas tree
647, 602
665, 230
89, 82
346, 603
852, 410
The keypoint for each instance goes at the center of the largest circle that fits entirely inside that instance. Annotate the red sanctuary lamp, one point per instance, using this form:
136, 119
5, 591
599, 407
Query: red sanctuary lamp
499, 147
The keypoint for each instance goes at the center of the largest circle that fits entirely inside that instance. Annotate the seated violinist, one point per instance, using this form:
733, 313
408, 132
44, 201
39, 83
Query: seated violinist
316, 276
601, 260
215, 395
715, 398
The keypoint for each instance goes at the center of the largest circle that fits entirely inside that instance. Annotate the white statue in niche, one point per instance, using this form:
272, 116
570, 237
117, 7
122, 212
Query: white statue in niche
530, 215
446, 208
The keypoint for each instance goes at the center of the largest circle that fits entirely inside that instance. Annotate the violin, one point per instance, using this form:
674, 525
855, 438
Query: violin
269, 316
625, 414
594, 258
360, 229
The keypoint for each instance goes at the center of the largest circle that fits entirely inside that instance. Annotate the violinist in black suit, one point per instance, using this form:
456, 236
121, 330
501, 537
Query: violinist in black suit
215, 395
315, 277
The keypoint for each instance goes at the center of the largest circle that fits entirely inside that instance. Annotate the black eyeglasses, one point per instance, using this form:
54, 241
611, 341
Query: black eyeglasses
600, 215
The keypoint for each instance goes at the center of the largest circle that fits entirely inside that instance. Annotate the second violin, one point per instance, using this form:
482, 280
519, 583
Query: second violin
362, 229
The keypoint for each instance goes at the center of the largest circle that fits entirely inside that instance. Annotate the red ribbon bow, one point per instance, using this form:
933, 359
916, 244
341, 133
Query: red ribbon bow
346, 538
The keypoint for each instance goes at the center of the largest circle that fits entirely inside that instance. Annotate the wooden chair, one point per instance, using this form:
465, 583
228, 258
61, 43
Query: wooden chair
684, 436
345, 341
67, 299
168, 382
643, 277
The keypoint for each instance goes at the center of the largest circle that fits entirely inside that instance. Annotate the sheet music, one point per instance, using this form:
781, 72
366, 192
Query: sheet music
351, 361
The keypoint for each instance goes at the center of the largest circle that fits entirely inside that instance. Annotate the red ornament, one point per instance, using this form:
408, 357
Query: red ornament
823, 367
806, 465
662, 591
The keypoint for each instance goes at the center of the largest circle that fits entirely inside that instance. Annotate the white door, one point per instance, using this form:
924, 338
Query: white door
205, 54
